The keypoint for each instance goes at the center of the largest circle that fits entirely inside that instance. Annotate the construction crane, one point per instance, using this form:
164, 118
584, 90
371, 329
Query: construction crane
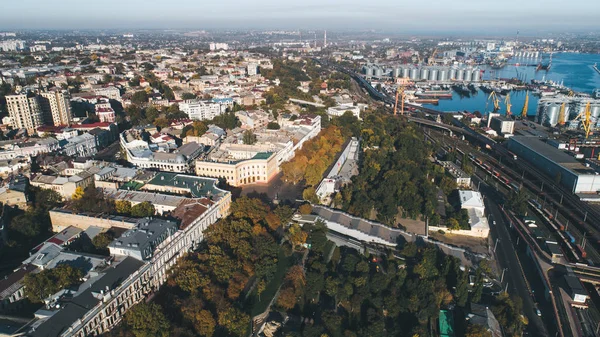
493, 98
525, 106
431, 59
508, 105
402, 96
561, 114
586, 121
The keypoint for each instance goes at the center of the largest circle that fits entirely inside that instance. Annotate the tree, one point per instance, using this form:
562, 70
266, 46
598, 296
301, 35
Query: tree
187, 95
205, 323
249, 137
143, 210
49, 281
146, 320
296, 235
453, 224
476, 330
305, 209
139, 97
123, 207
197, 129
78, 193
102, 240
287, 298
235, 321
273, 126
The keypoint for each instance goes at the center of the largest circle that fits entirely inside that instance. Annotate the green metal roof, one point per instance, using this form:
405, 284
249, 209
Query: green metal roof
446, 324
132, 186
263, 155
199, 186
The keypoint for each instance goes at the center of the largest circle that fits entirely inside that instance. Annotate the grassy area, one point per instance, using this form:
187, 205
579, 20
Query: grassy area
283, 264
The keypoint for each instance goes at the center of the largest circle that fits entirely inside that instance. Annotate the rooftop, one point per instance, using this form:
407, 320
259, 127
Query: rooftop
144, 233
551, 153
77, 307
199, 187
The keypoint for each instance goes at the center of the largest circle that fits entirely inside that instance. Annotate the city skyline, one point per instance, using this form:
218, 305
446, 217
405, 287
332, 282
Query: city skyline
270, 14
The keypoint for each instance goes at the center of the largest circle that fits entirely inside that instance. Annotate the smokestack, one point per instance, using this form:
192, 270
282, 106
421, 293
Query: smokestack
325, 39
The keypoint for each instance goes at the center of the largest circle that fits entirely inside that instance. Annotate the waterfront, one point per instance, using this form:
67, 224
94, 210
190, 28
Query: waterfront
574, 70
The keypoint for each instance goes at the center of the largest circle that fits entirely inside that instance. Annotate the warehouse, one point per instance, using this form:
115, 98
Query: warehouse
556, 164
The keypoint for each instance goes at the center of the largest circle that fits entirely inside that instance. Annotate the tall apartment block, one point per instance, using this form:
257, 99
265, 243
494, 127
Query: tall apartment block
56, 107
25, 112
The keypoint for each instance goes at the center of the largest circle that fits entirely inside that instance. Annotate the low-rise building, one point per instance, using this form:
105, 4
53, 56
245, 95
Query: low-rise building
140, 154
64, 185
141, 240
503, 125
462, 179
81, 146
242, 164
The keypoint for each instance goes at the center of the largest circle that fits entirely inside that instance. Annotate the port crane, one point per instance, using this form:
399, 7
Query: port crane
431, 59
508, 105
400, 95
561, 114
586, 119
494, 99
525, 107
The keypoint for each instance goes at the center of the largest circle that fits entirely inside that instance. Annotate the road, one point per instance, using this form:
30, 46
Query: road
506, 253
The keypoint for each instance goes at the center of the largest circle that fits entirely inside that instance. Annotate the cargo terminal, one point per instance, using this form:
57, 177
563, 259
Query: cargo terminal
555, 163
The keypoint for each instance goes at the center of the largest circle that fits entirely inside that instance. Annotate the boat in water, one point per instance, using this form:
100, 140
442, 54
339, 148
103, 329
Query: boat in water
441, 94
462, 90
474, 89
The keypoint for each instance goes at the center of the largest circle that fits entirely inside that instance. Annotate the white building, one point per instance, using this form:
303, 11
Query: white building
201, 110
81, 146
218, 46
341, 109
110, 92
12, 45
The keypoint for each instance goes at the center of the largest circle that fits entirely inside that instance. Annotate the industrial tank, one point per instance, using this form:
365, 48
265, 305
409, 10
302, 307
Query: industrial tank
378, 72
468, 75
433, 73
443, 75
424, 74
397, 71
550, 116
452, 74
405, 72
476, 75
414, 74
460, 74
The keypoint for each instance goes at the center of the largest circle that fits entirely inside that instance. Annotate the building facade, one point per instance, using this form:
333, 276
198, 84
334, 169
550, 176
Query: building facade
200, 110
25, 112
56, 107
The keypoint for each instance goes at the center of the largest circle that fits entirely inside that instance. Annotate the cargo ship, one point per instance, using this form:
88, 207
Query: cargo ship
596, 68
441, 94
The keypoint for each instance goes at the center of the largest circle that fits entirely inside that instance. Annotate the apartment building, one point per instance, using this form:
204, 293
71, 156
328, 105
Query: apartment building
56, 107
25, 112
201, 110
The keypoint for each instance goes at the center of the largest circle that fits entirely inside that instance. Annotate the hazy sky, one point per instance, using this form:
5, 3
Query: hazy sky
424, 15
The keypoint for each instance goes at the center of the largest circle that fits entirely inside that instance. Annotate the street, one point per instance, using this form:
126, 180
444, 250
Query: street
506, 253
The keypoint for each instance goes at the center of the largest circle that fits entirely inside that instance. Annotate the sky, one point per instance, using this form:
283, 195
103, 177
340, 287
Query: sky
401, 15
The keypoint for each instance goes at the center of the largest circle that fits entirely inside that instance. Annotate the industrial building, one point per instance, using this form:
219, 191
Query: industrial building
564, 110
424, 73
556, 163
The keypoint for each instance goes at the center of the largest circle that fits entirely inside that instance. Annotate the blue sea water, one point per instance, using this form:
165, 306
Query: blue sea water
573, 69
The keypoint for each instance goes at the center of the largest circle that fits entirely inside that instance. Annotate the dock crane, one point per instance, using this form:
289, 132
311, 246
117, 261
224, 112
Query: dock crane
525, 107
586, 120
508, 105
494, 99
431, 59
402, 96
561, 114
